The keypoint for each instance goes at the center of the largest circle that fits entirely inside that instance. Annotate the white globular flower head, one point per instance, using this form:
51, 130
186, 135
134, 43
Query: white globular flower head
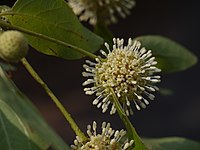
109, 139
129, 70
104, 11
13, 46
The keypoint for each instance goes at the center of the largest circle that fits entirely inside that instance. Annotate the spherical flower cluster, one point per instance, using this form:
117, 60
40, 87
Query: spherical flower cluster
128, 70
13, 46
109, 139
103, 11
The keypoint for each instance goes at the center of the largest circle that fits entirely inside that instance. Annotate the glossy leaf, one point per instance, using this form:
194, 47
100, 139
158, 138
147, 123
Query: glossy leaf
55, 19
172, 143
171, 56
12, 134
21, 125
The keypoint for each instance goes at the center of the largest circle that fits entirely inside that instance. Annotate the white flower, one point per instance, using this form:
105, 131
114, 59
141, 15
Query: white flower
109, 139
128, 70
103, 11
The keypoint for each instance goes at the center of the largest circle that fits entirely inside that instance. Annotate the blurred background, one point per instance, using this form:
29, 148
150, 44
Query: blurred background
172, 115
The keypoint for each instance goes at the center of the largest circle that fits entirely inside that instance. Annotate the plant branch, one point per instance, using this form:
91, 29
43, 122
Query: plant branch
139, 145
42, 36
67, 115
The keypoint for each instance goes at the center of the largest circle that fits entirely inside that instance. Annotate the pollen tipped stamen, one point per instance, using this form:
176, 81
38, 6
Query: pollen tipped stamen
138, 96
106, 140
136, 105
141, 88
90, 91
127, 102
88, 81
149, 95
96, 100
90, 10
154, 79
90, 63
149, 88
88, 68
104, 53
146, 101
86, 74
113, 109
129, 70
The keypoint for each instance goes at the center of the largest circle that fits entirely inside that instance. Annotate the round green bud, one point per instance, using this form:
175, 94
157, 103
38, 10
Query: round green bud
13, 46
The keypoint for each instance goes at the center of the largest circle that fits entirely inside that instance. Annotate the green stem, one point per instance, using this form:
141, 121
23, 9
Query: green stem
42, 36
67, 115
132, 134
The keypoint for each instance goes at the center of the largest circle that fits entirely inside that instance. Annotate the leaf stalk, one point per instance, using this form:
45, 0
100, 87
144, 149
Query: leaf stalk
59, 105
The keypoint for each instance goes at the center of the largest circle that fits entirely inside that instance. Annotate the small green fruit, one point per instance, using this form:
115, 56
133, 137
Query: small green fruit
13, 46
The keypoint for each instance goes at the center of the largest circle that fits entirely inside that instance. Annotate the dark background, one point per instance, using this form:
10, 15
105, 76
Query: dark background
174, 115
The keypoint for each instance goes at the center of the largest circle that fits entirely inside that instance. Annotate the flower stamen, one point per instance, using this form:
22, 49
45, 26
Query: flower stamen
129, 70
109, 139
103, 11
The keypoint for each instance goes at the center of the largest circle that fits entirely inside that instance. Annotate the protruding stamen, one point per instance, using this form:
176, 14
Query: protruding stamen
129, 70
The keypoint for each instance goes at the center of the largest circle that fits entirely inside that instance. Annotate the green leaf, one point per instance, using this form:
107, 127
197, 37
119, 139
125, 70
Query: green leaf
55, 19
13, 134
21, 125
172, 143
171, 56
138, 142
104, 32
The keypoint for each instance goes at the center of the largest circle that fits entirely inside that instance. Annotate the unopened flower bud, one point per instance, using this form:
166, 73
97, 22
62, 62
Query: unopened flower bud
13, 46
